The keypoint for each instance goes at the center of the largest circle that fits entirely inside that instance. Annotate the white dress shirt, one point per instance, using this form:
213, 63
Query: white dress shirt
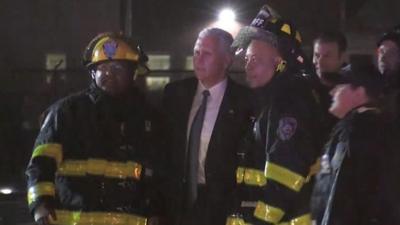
213, 103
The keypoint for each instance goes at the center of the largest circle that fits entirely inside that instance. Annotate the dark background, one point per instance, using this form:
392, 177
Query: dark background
30, 29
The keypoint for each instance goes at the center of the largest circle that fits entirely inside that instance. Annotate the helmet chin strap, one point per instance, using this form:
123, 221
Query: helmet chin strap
92, 73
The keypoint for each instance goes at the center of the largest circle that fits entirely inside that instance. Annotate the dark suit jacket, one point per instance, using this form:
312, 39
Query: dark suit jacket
221, 160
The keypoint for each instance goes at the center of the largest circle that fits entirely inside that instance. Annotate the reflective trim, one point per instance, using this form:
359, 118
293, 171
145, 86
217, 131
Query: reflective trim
240, 175
268, 213
284, 176
41, 189
65, 217
301, 220
314, 169
250, 176
286, 28
101, 167
49, 150
231, 220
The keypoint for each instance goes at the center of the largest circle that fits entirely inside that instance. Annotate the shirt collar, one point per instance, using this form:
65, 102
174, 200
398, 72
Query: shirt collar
216, 90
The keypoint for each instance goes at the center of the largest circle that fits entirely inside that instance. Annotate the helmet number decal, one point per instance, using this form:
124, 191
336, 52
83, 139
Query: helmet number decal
110, 48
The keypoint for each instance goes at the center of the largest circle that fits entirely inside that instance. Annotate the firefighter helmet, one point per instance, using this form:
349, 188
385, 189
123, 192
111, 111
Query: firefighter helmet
268, 20
111, 47
288, 40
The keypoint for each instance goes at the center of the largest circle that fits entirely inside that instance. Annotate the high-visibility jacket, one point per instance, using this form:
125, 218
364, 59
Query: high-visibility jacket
273, 182
94, 159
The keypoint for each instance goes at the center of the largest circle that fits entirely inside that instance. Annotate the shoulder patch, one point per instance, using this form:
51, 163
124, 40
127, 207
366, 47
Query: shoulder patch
287, 128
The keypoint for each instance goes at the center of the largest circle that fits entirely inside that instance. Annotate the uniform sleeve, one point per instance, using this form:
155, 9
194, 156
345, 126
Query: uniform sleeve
46, 157
291, 152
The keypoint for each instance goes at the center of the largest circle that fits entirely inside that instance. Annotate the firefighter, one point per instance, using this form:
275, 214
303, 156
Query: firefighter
93, 160
278, 154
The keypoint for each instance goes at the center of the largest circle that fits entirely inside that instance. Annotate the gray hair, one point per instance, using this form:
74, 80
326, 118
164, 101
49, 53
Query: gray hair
265, 36
224, 38
249, 33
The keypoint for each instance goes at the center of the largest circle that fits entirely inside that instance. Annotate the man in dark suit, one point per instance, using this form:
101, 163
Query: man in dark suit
207, 116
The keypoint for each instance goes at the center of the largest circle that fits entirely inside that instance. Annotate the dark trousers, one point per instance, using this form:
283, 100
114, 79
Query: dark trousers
207, 210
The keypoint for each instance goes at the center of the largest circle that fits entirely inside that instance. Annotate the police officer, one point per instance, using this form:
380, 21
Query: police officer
347, 186
273, 180
93, 159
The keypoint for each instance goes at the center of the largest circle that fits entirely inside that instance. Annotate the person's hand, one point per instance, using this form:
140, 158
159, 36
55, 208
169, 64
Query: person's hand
42, 214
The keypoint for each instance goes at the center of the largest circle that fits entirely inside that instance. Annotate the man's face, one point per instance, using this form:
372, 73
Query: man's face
261, 62
114, 77
210, 61
344, 98
388, 57
327, 57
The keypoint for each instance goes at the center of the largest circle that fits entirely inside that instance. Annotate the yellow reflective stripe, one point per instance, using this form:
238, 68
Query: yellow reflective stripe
250, 176
239, 175
73, 168
65, 217
235, 221
284, 176
41, 189
101, 167
314, 169
254, 177
50, 150
96, 166
123, 170
268, 213
301, 220
286, 28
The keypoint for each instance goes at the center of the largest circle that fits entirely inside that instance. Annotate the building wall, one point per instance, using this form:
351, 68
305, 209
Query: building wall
30, 29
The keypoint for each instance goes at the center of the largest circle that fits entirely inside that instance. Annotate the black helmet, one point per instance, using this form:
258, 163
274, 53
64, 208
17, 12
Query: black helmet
287, 36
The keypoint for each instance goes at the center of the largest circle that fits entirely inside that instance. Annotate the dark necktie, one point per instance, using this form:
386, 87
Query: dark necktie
193, 150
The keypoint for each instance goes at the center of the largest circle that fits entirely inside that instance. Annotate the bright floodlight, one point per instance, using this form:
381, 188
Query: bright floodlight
6, 191
227, 15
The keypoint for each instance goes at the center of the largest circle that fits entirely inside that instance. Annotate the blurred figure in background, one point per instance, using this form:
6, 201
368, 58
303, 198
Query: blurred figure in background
329, 55
388, 61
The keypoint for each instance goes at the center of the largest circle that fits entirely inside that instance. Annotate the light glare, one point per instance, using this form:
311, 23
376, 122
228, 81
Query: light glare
6, 191
227, 15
